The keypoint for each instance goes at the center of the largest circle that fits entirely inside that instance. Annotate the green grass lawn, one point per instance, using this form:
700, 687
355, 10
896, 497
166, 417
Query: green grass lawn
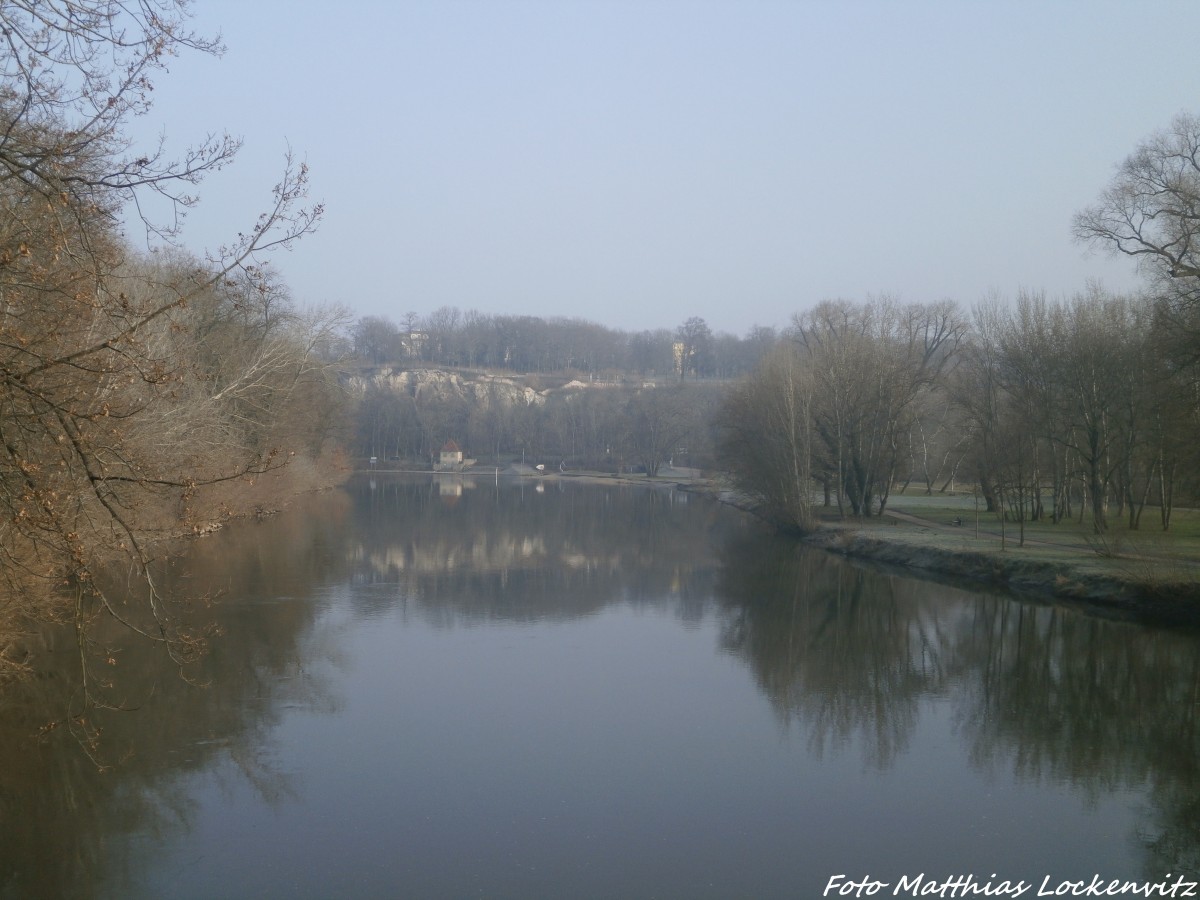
1147, 554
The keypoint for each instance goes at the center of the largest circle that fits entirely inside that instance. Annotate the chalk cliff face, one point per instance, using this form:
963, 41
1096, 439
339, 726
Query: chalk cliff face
431, 384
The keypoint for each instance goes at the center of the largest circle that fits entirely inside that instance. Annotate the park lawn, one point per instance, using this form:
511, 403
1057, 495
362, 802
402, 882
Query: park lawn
1148, 556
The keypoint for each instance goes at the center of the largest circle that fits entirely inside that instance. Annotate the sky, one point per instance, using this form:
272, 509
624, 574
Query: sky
639, 162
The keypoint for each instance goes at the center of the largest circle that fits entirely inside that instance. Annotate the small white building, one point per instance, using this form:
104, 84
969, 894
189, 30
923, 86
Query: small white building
450, 458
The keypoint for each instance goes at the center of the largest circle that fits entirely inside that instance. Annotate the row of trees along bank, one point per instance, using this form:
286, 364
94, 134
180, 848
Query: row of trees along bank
1085, 407
141, 392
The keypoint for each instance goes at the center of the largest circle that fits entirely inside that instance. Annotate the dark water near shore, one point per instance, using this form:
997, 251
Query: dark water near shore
428, 689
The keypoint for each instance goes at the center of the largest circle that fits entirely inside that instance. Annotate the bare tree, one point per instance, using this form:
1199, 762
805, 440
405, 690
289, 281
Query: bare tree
92, 343
872, 362
693, 347
650, 353
658, 421
1151, 211
377, 340
765, 439
442, 327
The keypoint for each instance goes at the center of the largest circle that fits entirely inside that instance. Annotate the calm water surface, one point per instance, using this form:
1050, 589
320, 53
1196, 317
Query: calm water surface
428, 689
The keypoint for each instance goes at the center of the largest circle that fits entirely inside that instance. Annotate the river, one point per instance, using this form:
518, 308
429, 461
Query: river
479, 688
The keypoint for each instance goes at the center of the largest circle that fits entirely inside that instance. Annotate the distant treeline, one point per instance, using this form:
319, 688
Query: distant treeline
614, 426
449, 337
649, 397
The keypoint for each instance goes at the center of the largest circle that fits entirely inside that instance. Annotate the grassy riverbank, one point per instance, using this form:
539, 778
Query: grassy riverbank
1147, 573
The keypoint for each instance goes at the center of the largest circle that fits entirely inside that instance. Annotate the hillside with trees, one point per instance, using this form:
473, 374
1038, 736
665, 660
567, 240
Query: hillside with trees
559, 391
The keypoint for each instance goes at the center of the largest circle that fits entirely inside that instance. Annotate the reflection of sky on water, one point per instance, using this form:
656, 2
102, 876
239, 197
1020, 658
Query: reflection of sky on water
601, 757
608, 692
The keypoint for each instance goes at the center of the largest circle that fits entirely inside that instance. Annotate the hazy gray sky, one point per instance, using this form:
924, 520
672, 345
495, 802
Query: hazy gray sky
637, 163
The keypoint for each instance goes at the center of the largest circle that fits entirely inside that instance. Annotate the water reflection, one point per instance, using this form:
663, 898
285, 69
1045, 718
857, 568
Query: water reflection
1057, 696
62, 820
839, 650
1039, 693
852, 660
521, 551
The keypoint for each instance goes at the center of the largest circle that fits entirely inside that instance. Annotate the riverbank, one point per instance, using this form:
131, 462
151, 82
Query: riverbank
1147, 575
1131, 584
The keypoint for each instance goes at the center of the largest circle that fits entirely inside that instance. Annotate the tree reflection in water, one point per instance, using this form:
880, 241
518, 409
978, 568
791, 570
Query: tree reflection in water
847, 656
502, 552
61, 819
1048, 693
